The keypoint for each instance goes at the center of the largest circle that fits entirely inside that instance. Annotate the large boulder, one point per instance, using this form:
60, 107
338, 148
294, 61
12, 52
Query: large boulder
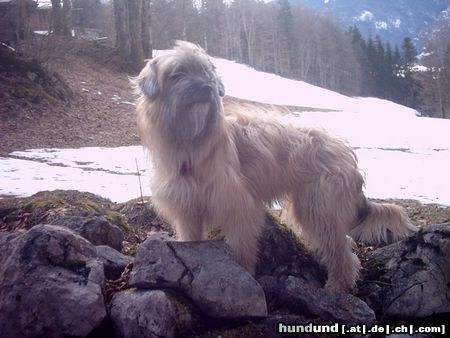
113, 261
50, 284
96, 229
149, 313
204, 271
410, 279
333, 307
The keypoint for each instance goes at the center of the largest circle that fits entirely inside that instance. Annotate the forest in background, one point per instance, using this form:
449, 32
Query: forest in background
276, 37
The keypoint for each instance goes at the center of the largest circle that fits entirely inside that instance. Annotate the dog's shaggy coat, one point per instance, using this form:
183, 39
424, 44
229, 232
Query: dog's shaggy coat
212, 168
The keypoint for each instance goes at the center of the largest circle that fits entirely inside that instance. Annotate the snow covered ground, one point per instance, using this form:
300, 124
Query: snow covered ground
401, 154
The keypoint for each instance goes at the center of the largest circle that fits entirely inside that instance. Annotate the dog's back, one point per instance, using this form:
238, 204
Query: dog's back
279, 159
317, 178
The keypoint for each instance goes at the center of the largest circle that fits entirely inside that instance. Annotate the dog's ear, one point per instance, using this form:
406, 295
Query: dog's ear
221, 87
148, 81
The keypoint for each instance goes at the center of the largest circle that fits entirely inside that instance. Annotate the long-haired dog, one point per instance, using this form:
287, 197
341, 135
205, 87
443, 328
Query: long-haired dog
221, 169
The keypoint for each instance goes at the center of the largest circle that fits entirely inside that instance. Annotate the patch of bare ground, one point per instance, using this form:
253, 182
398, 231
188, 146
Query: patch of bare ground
94, 106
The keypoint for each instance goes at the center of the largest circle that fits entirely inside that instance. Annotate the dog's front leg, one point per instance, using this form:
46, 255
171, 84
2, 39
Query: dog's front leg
243, 239
190, 228
242, 220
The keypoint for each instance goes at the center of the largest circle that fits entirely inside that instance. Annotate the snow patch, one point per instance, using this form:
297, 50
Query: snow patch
396, 23
381, 25
364, 16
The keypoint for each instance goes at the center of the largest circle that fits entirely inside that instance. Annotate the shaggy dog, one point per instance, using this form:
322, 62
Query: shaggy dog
221, 169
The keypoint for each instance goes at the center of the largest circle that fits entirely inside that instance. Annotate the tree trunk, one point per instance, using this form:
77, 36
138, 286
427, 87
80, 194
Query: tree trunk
23, 8
61, 18
123, 42
146, 33
67, 18
135, 23
132, 31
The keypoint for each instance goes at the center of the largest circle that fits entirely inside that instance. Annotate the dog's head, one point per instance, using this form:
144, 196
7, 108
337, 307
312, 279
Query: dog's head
183, 91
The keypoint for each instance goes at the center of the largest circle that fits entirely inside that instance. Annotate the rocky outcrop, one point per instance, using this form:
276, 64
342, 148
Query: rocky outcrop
96, 229
203, 271
149, 313
50, 284
313, 302
113, 261
411, 278
54, 282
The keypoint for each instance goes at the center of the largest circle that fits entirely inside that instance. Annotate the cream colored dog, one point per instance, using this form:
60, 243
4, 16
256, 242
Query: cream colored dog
212, 168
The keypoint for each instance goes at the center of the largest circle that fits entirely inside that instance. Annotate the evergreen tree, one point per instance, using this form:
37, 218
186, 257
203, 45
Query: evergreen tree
360, 51
386, 73
435, 77
397, 75
409, 53
287, 43
445, 107
379, 68
389, 75
371, 53
410, 86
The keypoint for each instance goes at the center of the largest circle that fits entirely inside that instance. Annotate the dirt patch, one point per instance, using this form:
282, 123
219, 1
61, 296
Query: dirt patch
83, 101
27, 80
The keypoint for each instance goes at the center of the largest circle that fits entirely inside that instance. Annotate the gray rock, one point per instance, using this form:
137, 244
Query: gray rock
204, 271
279, 325
313, 302
152, 313
281, 253
413, 275
50, 284
96, 229
113, 261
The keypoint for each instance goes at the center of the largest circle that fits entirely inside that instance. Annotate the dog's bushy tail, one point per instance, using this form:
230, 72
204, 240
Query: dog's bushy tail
382, 223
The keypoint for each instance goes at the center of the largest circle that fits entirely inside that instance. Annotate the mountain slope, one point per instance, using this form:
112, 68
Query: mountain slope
392, 20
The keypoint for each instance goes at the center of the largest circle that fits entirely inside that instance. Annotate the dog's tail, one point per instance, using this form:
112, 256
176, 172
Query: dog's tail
381, 223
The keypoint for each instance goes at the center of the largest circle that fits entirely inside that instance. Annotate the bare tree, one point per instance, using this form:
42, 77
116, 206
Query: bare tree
61, 18
23, 10
435, 78
132, 31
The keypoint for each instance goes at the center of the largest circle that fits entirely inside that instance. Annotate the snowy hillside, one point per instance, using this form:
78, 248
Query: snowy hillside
244, 82
402, 155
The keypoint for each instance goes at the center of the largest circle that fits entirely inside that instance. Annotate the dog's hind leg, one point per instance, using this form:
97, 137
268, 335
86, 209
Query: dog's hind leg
325, 210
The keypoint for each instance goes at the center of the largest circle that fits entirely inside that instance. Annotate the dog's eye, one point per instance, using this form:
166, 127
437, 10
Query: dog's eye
176, 76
